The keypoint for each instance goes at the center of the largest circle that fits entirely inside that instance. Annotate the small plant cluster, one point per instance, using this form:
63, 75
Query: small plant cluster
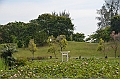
83, 68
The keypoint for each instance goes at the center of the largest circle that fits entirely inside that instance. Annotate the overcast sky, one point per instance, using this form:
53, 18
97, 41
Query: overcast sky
83, 12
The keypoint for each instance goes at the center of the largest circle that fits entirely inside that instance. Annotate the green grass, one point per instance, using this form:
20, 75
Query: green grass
1, 64
76, 49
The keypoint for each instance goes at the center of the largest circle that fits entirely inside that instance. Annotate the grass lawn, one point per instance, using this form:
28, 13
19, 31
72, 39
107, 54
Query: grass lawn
1, 66
76, 49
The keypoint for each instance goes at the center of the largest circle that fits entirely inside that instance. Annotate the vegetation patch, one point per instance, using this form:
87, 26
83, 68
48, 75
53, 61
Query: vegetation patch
82, 68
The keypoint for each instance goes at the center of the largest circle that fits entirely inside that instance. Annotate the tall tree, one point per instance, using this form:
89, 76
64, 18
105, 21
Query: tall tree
104, 18
109, 9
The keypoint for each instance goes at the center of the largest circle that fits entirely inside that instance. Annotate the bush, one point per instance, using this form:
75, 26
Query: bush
37, 58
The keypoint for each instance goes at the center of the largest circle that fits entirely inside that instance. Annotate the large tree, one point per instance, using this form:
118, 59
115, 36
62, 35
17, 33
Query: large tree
55, 24
38, 29
109, 9
100, 33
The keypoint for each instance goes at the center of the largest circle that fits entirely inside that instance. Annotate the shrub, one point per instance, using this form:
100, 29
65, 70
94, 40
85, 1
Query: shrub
37, 58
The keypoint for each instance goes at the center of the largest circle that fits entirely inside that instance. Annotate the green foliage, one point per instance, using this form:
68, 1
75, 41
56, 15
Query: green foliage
52, 49
32, 47
20, 44
39, 29
52, 45
51, 40
62, 42
80, 69
79, 37
101, 45
56, 24
101, 33
115, 24
6, 55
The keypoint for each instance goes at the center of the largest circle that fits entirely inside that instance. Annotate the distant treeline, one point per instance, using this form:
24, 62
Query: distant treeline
39, 29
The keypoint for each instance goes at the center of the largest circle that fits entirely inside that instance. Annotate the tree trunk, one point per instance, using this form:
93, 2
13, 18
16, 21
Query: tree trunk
33, 56
61, 48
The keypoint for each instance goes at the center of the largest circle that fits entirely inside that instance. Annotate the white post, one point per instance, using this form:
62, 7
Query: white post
67, 56
65, 53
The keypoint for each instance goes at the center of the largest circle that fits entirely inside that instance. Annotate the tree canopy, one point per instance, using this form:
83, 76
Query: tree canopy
38, 29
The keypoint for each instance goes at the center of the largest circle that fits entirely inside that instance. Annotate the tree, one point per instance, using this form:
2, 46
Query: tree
6, 55
79, 37
13, 32
52, 45
103, 33
62, 42
55, 24
41, 38
115, 41
109, 9
32, 47
101, 46
104, 18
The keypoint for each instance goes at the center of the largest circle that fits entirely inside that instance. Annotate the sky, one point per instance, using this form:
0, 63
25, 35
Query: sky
82, 12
